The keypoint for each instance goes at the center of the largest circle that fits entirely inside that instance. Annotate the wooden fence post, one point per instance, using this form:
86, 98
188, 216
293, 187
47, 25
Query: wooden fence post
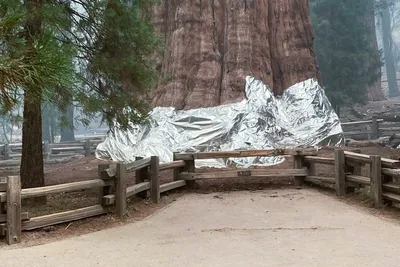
354, 168
375, 128
142, 175
155, 179
176, 171
6, 151
3, 188
3, 206
87, 148
46, 151
106, 190
191, 168
298, 163
340, 176
376, 180
370, 134
120, 190
311, 169
13, 235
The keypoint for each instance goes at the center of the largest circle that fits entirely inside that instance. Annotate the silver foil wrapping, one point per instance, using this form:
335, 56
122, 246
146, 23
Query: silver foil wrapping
301, 117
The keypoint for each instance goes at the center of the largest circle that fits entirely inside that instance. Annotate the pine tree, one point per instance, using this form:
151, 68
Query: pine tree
96, 52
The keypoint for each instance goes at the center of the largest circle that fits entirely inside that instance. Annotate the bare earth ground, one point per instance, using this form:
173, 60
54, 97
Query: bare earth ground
271, 227
86, 168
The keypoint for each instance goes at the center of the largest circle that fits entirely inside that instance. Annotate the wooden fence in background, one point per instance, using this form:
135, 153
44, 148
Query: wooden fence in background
368, 129
371, 129
114, 192
50, 151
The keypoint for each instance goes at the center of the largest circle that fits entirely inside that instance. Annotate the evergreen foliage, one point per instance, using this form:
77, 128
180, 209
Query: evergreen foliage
347, 60
96, 52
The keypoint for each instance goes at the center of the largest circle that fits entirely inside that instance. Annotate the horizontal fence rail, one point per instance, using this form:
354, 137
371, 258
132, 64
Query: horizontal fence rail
62, 217
382, 181
244, 173
371, 129
55, 189
244, 153
114, 187
360, 122
113, 195
55, 150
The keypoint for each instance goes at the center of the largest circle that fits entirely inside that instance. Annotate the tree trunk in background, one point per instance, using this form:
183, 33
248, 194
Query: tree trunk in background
387, 46
67, 132
32, 171
375, 92
45, 126
54, 127
212, 45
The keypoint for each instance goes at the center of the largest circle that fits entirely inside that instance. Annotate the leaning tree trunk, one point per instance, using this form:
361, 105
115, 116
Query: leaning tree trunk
212, 45
387, 47
375, 92
32, 172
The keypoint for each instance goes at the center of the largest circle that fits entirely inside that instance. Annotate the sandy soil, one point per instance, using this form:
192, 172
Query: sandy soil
287, 227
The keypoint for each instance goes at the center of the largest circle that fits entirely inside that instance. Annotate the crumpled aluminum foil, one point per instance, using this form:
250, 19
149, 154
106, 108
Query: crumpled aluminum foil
301, 117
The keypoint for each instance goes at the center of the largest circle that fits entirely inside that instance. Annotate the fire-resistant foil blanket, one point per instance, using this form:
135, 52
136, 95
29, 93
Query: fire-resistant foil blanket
301, 117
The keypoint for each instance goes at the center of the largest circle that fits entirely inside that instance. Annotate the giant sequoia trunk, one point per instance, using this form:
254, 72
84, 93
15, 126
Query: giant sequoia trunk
211, 45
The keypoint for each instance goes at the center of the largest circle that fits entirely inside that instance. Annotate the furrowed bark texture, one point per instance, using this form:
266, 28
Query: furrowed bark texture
212, 45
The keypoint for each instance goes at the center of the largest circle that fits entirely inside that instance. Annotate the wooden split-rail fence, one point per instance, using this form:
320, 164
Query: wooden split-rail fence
51, 151
114, 191
113, 195
382, 179
371, 129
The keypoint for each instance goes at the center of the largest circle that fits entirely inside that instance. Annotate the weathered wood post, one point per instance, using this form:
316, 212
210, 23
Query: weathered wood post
375, 128
106, 190
298, 163
87, 148
190, 167
176, 171
46, 150
369, 132
340, 176
13, 235
311, 169
6, 151
376, 180
142, 175
120, 190
354, 168
3, 188
155, 179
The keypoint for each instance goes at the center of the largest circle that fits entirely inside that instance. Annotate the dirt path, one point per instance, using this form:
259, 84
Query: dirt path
264, 228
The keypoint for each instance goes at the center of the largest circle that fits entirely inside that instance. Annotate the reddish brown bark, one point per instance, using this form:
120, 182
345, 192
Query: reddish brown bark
212, 45
375, 92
